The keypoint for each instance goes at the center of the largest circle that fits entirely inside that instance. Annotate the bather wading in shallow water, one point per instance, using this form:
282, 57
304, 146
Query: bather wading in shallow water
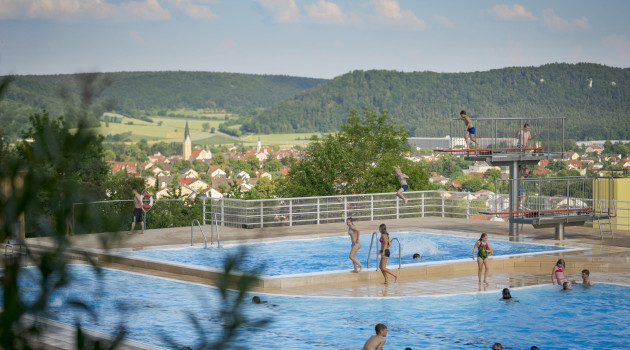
385, 244
354, 233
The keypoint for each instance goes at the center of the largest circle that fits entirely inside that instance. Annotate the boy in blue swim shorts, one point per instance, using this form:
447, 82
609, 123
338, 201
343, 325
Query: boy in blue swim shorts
470, 128
403, 184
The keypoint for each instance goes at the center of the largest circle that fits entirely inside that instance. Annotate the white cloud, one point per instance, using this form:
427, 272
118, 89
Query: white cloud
64, 10
556, 23
444, 21
283, 11
195, 9
619, 44
227, 46
390, 11
326, 11
516, 13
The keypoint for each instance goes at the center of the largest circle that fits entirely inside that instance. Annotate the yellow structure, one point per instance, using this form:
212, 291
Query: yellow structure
187, 144
620, 194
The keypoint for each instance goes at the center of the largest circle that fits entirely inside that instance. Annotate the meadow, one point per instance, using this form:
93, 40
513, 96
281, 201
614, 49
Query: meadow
171, 129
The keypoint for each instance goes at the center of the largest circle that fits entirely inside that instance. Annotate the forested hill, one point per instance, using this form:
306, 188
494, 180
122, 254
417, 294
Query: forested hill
130, 92
425, 101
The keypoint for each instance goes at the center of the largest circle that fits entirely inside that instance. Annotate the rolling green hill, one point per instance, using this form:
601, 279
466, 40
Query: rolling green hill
425, 101
130, 92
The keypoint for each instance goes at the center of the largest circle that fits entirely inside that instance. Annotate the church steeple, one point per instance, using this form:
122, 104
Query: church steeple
187, 146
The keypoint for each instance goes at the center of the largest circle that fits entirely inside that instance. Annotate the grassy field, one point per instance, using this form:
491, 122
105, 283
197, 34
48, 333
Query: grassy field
172, 129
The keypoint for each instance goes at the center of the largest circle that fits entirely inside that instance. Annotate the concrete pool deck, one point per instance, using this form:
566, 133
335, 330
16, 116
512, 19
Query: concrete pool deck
608, 259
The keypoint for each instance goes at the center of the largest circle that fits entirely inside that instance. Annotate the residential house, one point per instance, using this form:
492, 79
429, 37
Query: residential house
242, 175
439, 179
594, 148
217, 171
200, 154
211, 192
571, 156
162, 192
188, 173
455, 185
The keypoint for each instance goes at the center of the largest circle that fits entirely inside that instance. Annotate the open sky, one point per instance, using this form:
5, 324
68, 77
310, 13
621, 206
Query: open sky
312, 38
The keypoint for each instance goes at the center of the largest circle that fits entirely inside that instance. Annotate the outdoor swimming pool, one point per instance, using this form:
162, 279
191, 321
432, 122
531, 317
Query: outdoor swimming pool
585, 318
331, 254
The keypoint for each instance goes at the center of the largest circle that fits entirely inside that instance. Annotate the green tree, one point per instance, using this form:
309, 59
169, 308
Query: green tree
218, 159
273, 166
252, 161
205, 126
473, 184
359, 159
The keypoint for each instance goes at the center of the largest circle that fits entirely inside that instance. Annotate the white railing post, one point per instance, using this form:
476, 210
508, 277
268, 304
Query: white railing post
442, 204
222, 212
422, 203
290, 212
468, 206
371, 207
345, 208
397, 208
318, 213
204, 210
262, 220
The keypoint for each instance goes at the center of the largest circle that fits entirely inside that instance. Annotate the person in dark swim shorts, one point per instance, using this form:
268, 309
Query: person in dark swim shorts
137, 211
385, 244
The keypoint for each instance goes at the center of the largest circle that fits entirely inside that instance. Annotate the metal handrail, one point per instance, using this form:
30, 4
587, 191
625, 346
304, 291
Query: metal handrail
399, 251
374, 234
192, 226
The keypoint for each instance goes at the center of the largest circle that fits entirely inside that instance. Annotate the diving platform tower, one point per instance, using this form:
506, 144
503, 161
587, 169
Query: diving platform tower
505, 142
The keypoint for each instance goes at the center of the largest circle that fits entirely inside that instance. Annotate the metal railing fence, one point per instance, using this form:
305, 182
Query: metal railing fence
370, 207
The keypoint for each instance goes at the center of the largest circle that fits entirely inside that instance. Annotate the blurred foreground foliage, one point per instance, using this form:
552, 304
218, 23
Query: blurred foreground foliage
41, 180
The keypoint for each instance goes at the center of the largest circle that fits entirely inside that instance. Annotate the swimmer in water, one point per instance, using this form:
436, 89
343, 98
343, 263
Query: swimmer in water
385, 244
353, 232
416, 256
483, 249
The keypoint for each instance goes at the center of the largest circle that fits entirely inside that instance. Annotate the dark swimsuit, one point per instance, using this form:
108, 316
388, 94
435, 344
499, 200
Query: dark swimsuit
386, 253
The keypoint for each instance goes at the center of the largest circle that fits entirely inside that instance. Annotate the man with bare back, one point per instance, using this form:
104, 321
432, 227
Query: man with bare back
470, 128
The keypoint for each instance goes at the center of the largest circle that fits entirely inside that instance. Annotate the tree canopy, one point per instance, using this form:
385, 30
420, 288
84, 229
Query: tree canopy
358, 159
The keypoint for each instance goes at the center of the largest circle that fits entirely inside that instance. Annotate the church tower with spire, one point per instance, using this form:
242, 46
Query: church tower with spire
187, 143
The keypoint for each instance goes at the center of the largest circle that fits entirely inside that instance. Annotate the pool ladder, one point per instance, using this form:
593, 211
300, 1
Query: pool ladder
192, 226
375, 234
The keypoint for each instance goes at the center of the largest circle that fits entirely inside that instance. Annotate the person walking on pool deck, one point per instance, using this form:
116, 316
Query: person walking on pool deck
137, 211
377, 341
403, 183
483, 249
385, 244
353, 232
470, 128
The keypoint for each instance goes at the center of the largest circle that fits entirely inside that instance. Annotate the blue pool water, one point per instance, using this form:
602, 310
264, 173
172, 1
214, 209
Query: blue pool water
585, 318
331, 254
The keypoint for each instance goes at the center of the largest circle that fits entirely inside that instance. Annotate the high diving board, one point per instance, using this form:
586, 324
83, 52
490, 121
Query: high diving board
486, 150
537, 212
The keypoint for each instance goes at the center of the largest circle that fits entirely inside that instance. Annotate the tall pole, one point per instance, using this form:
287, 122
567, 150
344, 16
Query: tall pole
513, 200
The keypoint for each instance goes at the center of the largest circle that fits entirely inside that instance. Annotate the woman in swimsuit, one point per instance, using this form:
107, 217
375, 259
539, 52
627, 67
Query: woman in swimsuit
356, 245
557, 273
385, 244
483, 249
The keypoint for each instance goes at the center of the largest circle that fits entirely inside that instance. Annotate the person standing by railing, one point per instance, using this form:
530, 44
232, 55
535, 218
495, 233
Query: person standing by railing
470, 129
353, 232
524, 135
385, 244
137, 211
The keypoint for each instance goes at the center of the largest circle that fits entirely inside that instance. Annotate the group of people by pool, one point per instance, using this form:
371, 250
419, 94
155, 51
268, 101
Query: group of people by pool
384, 252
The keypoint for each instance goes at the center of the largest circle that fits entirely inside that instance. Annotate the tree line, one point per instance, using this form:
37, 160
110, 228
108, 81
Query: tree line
424, 102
